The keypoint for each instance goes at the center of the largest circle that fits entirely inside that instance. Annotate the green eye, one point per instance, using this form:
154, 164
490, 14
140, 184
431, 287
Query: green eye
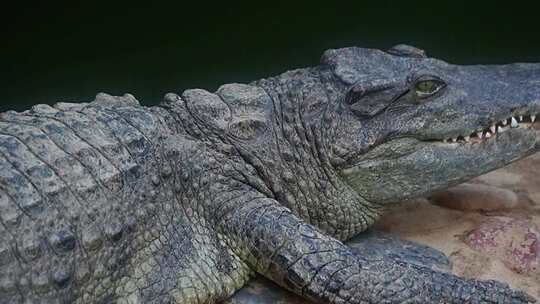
428, 87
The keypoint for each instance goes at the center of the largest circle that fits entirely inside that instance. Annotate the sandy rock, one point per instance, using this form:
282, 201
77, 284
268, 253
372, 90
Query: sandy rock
469, 263
514, 241
500, 178
535, 197
468, 197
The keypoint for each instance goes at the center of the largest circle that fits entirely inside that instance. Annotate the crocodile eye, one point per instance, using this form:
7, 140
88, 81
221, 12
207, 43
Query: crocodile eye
428, 86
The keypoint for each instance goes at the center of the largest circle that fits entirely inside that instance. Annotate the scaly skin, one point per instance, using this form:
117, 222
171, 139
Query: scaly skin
113, 202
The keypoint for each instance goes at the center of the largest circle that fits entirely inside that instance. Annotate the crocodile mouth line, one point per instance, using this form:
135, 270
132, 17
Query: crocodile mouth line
513, 122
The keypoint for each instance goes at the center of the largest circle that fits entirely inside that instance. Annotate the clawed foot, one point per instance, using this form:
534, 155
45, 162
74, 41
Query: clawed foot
456, 290
497, 292
375, 244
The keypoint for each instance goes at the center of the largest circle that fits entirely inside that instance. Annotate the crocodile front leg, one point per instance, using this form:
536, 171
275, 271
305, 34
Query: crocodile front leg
299, 257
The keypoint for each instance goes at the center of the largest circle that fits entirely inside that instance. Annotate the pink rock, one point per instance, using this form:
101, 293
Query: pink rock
516, 242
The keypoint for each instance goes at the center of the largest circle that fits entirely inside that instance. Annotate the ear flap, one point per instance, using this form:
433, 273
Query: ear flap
404, 50
369, 99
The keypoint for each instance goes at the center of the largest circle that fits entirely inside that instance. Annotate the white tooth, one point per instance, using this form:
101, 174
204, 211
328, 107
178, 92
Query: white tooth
493, 129
520, 117
454, 139
514, 123
533, 118
444, 140
504, 122
467, 138
499, 129
479, 134
488, 135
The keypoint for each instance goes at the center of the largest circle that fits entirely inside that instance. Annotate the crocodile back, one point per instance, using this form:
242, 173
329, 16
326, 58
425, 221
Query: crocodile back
72, 178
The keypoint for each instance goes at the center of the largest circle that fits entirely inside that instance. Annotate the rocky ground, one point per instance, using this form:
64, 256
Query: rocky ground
488, 228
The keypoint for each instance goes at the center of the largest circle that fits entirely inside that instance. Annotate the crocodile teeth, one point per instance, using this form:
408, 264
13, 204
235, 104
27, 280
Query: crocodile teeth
514, 123
518, 121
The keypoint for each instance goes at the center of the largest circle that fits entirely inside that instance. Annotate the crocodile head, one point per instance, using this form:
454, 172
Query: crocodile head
410, 125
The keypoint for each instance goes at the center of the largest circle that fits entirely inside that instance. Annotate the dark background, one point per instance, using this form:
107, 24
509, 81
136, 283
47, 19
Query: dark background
70, 51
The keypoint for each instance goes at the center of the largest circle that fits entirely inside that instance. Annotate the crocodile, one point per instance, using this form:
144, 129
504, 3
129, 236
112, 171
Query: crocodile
110, 201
